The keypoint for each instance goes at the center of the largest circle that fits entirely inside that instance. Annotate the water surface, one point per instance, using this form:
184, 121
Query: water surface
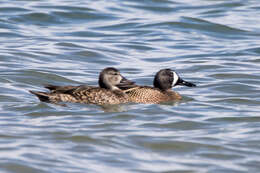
214, 44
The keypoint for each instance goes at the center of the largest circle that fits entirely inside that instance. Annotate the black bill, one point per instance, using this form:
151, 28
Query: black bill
183, 82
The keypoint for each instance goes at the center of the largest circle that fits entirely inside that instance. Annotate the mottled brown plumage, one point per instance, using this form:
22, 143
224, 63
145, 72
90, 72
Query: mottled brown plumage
107, 93
164, 80
54, 97
146, 94
97, 95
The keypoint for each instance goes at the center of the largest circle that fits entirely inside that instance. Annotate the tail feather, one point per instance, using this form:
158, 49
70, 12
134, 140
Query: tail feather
44, 97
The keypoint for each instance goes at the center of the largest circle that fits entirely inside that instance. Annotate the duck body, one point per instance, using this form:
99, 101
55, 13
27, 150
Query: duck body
97, 95
86, 95
106, 93
151, 95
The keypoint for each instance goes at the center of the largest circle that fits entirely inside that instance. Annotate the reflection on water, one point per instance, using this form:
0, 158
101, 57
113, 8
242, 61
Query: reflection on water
215, 128
114, 108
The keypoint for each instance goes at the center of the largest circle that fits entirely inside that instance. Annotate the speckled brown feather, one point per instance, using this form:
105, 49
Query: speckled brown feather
54, 97
99, 96
83, 94
146, 94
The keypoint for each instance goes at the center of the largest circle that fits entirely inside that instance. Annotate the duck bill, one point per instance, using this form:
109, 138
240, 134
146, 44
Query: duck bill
185, 83
126, 84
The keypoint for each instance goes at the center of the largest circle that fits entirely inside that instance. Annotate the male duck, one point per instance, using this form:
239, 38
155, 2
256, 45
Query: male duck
164, 80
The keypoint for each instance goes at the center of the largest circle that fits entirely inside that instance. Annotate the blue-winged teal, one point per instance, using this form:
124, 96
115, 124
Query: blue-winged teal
164, 80
108, 92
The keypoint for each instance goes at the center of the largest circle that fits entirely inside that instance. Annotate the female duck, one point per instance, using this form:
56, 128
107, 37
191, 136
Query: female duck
164, 80
106, 93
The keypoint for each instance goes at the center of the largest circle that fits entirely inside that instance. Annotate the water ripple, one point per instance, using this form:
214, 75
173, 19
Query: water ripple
211, 43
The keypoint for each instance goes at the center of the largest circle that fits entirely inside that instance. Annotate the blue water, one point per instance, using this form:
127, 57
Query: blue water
214, 44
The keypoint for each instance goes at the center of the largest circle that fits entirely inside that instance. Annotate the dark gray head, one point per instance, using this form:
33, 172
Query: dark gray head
110, 77
167, 78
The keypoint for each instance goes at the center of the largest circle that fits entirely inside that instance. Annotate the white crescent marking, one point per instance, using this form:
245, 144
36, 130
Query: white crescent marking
175, 78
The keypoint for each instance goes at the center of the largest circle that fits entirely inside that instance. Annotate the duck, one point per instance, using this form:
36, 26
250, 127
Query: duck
161, 91
108, 92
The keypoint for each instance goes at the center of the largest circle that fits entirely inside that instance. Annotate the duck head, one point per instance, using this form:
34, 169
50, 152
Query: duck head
110, 78
167, 78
